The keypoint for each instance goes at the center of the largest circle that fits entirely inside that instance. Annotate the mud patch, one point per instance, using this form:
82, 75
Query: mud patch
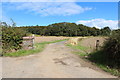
69, 61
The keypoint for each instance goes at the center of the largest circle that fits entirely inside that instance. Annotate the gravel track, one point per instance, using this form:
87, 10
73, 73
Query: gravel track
56, 61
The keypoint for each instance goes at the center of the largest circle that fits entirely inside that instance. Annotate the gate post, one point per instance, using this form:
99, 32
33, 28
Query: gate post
97, 44
33, 41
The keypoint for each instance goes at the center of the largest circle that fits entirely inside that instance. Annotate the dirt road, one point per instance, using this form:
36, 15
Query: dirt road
56, 61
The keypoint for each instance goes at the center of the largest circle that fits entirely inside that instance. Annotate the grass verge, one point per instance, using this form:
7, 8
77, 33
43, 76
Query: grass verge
77, 47
99, 59
95, 57
38, 48
112, 71
81, 49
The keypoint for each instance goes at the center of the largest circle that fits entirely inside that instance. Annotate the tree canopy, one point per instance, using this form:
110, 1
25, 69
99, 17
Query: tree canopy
66, 29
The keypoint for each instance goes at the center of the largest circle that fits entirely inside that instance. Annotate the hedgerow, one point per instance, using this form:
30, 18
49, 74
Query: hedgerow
11, 38
109, 55
111, 49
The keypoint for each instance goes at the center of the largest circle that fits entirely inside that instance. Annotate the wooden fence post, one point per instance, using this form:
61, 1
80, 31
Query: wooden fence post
33, 41
97, 44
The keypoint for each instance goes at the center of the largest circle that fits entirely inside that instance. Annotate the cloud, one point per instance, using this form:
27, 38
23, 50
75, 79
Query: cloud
40, 0
60, 0
51, 8
99, 23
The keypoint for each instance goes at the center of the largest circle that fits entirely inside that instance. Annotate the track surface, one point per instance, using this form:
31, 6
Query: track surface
56, 61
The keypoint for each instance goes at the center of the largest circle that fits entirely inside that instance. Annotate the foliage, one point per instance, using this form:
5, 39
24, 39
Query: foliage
11, 38
105, 31
66, 29
108, 58
112, 49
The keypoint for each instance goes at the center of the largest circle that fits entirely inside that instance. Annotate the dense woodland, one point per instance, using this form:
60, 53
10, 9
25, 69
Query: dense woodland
66, 29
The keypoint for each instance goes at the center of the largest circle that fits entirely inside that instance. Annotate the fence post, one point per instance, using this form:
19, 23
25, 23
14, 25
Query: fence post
33, 40
97, 44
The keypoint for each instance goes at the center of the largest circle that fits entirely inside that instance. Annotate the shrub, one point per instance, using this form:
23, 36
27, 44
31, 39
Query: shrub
112, 49
109, 55
11, 38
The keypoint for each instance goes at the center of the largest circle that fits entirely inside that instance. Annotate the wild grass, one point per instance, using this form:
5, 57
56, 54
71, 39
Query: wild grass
39, 47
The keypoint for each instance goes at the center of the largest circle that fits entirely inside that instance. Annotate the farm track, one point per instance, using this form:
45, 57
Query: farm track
56, 61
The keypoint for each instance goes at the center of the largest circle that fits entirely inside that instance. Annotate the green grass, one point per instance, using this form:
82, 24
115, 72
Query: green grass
99, 59
79, 47
38, 48
81, 54
113, 71
96, 57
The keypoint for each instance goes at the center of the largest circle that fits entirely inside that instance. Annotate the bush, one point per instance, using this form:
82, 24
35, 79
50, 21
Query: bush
112, 49
11, 38
109, 55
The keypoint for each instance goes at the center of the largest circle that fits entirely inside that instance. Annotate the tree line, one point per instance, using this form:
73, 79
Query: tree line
66, 29
12, 35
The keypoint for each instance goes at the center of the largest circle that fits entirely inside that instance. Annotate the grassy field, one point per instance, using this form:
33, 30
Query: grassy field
96, 55
49, 38
38, 48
